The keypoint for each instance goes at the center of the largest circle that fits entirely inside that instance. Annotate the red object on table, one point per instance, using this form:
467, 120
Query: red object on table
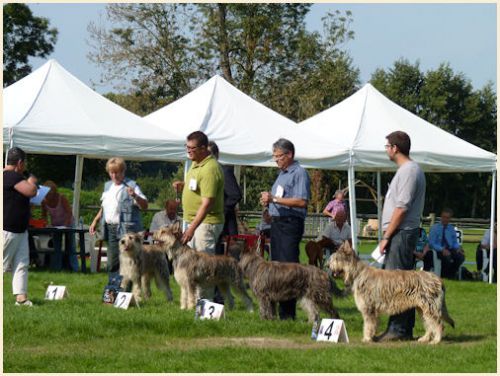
37, 223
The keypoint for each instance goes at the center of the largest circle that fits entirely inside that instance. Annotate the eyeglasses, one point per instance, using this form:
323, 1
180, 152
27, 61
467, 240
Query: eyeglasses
191, 148
277, 157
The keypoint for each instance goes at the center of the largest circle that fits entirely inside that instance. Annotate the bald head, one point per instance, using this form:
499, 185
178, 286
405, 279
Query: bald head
340, 218
171, 209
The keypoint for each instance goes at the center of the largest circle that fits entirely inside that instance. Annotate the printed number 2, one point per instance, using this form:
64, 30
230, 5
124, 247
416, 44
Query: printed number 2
328, 331
123, 298
211, 309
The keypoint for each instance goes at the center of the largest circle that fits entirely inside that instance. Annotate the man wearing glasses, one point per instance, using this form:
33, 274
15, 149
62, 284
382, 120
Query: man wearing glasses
202, 196
287, 204
403, 206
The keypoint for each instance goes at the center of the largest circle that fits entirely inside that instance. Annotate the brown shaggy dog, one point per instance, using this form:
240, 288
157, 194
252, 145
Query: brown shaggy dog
379, 291
195, 270
273, 281
314, 251
140, 264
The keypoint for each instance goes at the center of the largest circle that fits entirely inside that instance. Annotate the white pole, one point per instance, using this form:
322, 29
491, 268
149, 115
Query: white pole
379, 206
492, 218
237, 173
244, 187
77, 187
352, 207
187, 165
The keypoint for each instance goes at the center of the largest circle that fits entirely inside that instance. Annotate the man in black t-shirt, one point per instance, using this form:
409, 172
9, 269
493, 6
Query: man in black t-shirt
17, 192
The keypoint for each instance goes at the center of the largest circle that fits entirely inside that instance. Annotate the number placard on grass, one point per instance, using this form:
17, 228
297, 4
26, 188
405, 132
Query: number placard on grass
124, 299
332, 330
56, 292
207, 310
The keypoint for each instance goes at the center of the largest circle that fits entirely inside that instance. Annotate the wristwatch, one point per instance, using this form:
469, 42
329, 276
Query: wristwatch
275, 200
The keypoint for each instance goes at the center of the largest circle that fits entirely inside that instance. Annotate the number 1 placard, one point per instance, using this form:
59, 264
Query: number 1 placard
55, 292
332, 330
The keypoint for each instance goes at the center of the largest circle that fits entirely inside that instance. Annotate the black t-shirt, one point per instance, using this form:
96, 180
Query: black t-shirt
16, 207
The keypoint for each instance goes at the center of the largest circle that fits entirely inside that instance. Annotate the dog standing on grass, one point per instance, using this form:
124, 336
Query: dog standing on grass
314, 251
273, 281
195, 271
140, 263
379, 291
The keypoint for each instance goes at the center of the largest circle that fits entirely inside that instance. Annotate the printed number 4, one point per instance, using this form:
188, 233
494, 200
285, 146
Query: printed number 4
328, 331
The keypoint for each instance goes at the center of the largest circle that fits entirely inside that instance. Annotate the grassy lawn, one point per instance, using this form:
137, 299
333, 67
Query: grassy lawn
79, 334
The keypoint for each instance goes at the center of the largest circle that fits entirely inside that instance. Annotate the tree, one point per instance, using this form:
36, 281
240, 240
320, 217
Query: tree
24, 35
448, 100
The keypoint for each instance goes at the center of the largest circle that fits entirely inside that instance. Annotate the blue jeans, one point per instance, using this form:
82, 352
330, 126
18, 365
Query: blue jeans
70, 249
400, 256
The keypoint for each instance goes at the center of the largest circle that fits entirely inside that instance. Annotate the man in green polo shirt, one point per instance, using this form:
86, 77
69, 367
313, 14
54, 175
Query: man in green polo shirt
202, 196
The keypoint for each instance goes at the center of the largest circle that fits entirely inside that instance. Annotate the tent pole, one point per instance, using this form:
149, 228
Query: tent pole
352, 207
11, 145
379, 206
237, 173
244, 187
187, 165
77, 187
492, 219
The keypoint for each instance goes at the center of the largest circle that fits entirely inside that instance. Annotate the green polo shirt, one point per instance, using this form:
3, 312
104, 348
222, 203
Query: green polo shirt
209, 183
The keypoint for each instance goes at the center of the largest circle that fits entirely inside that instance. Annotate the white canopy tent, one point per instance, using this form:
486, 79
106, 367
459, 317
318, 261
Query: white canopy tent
243, 128
52, 112
361, 122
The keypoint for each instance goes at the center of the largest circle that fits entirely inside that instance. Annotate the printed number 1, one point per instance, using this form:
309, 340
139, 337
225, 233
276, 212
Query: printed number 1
328, 331
122, 301
54, 293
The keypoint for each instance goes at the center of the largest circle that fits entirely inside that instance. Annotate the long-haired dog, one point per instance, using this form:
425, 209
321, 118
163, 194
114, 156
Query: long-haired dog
273, 281
391, 292
314, 251
140, 264
195, 271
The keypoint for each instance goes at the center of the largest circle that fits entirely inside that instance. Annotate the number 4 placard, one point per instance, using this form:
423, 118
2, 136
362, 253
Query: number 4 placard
332, 330
55, 292
123, 300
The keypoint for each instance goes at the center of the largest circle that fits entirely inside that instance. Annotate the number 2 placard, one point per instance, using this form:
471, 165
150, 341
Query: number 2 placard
332, 330
123, 300
55, 292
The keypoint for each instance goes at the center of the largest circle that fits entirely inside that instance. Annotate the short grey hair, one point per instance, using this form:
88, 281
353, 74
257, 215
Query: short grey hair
285, 145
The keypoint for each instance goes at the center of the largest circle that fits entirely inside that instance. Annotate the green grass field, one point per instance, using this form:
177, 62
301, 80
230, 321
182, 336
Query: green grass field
79, 334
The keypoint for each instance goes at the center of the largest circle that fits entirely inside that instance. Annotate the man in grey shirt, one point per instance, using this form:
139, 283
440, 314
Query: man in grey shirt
403, 206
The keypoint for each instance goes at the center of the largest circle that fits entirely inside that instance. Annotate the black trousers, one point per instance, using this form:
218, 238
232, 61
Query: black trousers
450, 263
399, 255
286, 234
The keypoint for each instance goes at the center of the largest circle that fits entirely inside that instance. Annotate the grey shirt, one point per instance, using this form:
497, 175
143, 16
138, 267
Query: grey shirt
407, 190
291, 183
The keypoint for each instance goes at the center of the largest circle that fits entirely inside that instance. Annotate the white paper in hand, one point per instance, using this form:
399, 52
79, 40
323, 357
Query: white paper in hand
40, 195
377, 256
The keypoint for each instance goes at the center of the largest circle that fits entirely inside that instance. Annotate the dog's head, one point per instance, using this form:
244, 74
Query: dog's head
168, 238
131, 243
343, 260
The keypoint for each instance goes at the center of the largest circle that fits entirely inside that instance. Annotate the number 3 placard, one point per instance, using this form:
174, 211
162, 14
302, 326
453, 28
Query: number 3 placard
332, 330
55, 292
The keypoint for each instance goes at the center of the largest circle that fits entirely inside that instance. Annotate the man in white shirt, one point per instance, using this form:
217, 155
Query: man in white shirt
165, 217
338, 231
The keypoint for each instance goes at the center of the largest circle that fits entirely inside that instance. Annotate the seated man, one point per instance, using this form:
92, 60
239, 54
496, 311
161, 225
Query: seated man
443, 239
165, 217
485, 244
422, 250
338, 231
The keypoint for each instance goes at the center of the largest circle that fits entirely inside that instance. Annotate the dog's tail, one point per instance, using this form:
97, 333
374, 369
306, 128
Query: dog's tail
334, 289
444, 310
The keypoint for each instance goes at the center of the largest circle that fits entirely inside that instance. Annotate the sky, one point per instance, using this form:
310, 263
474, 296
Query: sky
464, 35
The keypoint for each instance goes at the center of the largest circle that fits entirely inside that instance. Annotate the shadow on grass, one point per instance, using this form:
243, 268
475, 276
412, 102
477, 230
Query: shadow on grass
463, 338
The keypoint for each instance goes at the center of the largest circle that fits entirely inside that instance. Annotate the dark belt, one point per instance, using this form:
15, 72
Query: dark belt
288, 218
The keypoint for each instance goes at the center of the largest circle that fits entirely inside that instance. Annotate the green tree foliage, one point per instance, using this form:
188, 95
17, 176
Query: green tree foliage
448, 100
24, 35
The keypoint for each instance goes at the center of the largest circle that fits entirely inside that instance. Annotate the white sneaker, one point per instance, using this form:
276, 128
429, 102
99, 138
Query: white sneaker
26, 303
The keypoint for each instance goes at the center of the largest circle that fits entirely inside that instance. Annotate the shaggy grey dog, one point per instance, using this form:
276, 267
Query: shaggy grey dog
195, 271
379, 291
273, 281
140, 264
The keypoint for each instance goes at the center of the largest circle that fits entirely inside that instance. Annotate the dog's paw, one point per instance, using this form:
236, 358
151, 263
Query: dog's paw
367, 340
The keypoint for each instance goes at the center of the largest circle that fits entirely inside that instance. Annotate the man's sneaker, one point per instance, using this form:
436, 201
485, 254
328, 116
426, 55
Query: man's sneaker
26, 303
